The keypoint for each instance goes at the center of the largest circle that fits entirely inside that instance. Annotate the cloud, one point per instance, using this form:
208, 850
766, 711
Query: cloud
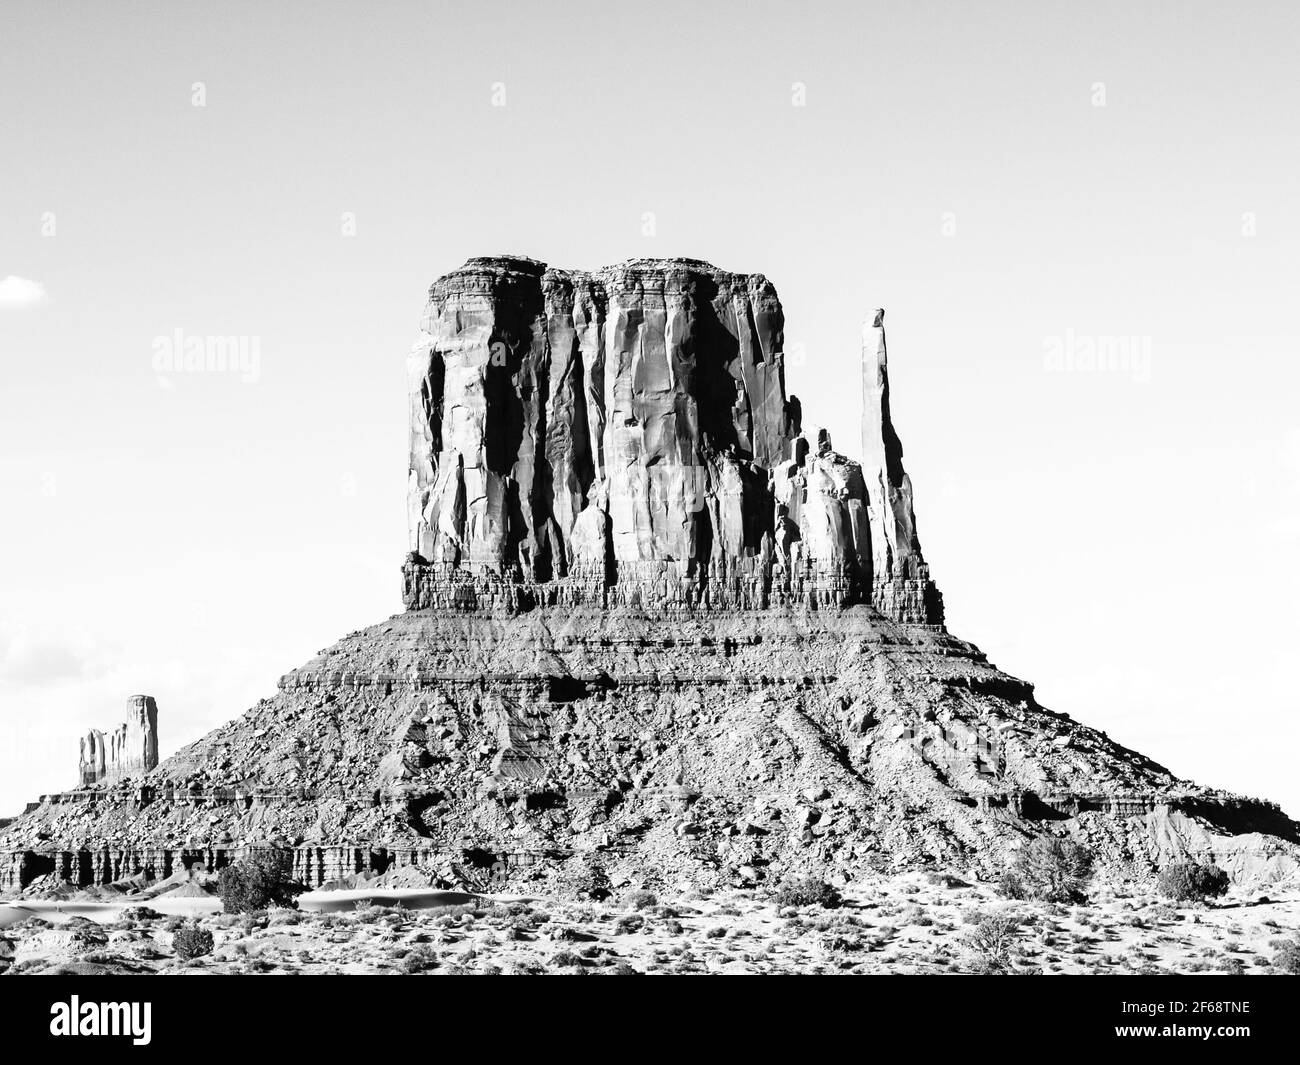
18, 292
29, 659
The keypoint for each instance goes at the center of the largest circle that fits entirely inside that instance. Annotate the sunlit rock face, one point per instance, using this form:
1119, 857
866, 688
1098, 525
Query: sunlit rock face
129, 750
624, 437
652, 628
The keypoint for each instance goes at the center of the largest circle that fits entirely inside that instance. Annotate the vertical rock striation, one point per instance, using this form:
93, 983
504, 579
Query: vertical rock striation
902, 587
623, 437
91, 764
607, 477
129, 750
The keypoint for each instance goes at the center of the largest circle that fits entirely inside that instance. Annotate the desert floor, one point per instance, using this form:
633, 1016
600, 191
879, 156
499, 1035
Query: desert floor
915, 923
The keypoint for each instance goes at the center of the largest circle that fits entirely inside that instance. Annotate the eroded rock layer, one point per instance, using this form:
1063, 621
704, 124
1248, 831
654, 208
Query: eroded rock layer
653, 631
726, 746
624, 437
131, 749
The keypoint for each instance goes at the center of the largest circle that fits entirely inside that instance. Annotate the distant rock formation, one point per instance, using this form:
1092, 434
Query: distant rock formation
129, 750
91, 763
624, 437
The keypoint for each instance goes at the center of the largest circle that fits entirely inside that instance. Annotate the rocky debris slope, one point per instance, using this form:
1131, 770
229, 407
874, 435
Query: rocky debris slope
729, 747
651, 626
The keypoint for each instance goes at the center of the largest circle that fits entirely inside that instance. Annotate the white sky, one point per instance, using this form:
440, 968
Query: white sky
1126, 538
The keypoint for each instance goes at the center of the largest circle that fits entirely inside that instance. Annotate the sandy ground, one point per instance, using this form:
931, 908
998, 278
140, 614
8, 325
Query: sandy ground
908, 924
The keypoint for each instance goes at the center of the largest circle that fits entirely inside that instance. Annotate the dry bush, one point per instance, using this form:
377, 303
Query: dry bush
1192, 882
1049, 870
640, 900
807, 891
565, 959
261, 879
1287, 957
419, 960
191, 941
989, 943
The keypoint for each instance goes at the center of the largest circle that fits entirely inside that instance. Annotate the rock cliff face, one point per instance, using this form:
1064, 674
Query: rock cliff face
624, 437
650, 627
91, 762
130, 750
902, 588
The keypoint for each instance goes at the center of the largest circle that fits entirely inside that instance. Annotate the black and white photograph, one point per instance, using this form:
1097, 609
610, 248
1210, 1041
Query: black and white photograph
663, 489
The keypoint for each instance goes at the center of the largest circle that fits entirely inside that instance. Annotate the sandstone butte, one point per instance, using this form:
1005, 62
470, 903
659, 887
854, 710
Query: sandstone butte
652, 631
129, 750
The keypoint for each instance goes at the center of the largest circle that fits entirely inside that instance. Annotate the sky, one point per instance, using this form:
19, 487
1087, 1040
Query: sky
1080, 219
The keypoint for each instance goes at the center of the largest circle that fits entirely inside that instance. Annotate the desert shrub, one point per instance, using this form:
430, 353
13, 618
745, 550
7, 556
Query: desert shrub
1162, 914
807, 891
839, 944
1287, 957
1192, 882
1010, 885
99, 957
629, 923
911, 914
1048, 870
565, 959
583, 878
191, 941
257, 881
522, 968
574, 935
640, 900
419, 960
989, 943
